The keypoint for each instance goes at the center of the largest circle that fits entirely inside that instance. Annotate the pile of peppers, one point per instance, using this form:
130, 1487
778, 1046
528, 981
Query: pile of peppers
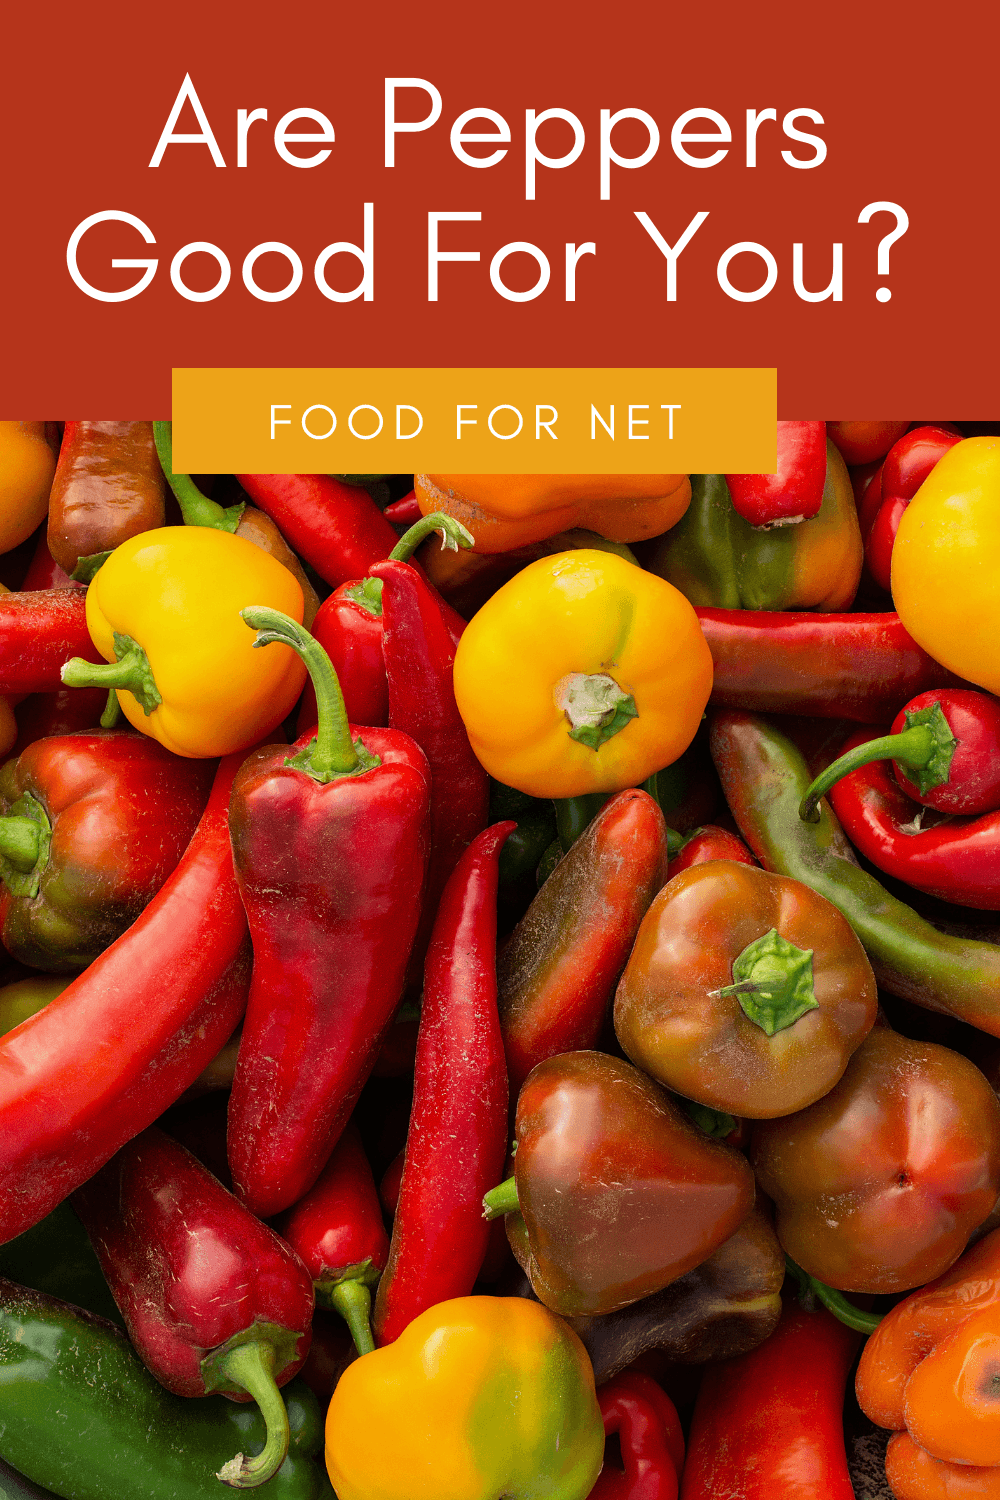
500, 976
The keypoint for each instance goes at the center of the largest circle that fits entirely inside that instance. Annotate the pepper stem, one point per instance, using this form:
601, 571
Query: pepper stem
353, 1300
20, 842
196, 508
811, 1290
773, 982
453, 535
131, 673
596, 707
501, 1200
251, 1366
331, 754
926, 746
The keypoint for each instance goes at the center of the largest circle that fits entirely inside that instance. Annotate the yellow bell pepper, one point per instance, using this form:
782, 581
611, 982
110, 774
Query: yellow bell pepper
504, 511
946, 562
164, 610
582, 674
480, 1397
27, 465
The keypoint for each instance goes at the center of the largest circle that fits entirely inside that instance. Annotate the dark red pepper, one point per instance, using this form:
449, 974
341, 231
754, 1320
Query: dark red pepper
124, 1040
709, 843
43, 570
330, 846
649, 1433
795, 491
39, 631
337, 528
212, 1299
457, 1139
41, 715
337, 1231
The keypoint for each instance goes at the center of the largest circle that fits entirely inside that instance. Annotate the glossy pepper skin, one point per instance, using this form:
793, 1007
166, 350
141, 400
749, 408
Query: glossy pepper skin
39, 629
583, 674
336, 527
794, 492
913, 1474
828, 666
124, 1040
83, 1416
457, 1137
212, 1299
27, 464
164, 613
719, 560
91, 825
618, 1193
769, 1425
504, 511
765, 779
330, 849
946, 562
907, 464
557, 971
479, 1397
108, 486
861, 442
878, 1186
650, 1439
706, 844
746, 992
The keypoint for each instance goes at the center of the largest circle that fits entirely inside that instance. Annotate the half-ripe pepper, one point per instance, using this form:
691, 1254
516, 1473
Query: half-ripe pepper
504, 511
794, 492
769, 1425
478, 1397
583, 674
91, 825
337, 528
457, 1137
212, 1299
38, 630
946, 562
719, 560
108, 486
557, 972
83, 1416
765, 778
615, 1193
650, 1439
746, 992
336, 1229
124, 1040
164, 611
27, 464
330, 848
879, 1184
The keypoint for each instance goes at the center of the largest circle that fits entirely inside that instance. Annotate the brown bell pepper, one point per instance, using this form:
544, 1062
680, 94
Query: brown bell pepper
108, 486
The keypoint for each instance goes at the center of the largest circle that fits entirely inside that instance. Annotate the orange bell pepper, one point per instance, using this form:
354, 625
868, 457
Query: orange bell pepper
914, 1475
504, 511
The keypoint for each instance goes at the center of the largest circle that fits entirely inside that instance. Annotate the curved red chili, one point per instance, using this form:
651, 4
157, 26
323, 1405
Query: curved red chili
336, 527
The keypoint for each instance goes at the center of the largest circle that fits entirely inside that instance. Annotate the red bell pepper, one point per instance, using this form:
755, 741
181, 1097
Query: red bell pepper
337, 1231
768, 1425
795, 491
649, 1433
707, 844
457, 1140
330, 846
859, 667
336, 527
124, 1040
39, 630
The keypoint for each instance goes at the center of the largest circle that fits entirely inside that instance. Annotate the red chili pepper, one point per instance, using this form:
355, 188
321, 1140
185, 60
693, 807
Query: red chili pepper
405, 512
330, 845
419, 649
652, 1443
457, 1139
768, 1425
212, 1299
43, 570
337, 1231
388, 1188
41, 715
859, 667
336, 527
709, 843
122, 1043
39, 631
795, 491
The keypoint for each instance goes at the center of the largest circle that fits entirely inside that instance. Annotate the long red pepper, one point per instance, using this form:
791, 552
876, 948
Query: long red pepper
122, 1043
769, 1424
649, 1433
457, 1139
330, 845
419, 650
39, 631
861, 667
212, 1299
336, 527
337, 1231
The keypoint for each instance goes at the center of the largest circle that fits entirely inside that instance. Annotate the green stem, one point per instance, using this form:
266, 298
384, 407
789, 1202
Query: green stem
454, 535
131, 673
251, 1366
112, 710
926, 746
196, 508
353, 1300
773, 982
332, 754
835, 1302
20, 842
501, 1200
